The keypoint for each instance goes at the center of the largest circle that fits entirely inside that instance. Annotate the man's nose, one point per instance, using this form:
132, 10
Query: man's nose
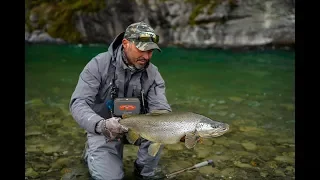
147, 55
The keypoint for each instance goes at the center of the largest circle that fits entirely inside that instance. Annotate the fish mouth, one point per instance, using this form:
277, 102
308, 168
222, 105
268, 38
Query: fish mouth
216, 132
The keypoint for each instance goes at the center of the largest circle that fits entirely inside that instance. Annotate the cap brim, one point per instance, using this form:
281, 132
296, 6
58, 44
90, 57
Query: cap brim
147, 46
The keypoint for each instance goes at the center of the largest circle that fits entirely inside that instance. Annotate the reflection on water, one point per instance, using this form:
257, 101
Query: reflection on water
251, 91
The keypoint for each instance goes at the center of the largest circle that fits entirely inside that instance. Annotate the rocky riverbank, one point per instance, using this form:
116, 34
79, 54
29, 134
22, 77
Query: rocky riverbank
205, 24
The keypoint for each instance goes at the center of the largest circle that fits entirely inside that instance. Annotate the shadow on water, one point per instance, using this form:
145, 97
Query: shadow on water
252, 92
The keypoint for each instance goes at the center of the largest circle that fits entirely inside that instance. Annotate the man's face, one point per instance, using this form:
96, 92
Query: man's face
135, 57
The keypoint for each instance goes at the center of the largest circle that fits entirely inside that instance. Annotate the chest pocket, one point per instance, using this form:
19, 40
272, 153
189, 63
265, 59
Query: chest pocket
104, 91
136, 90
105, 88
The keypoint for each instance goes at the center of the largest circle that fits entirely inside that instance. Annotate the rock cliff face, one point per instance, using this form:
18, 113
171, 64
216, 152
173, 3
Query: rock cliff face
228, 24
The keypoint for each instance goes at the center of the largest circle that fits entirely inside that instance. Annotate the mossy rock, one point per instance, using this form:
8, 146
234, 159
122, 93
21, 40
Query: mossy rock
249, 146
50, 149
33, 131
61, 163
79, 172
236, 99
285, 159
202, 6
57, 17
31, 173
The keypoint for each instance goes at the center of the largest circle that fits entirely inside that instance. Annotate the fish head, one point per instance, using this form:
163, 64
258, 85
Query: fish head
208, 128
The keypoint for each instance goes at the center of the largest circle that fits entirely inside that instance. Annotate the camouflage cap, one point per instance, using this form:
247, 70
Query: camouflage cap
134, 30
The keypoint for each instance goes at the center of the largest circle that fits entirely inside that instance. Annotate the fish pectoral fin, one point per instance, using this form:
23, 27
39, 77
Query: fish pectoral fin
132, 136
154, 148
191, 140
157, 112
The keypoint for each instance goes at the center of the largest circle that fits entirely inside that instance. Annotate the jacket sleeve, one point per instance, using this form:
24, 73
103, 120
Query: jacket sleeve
84, 95
156, 97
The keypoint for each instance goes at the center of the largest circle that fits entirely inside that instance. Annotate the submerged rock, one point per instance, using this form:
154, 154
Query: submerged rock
285, 159
253, 131
33, 149
31, 173
244, 123
232, 115
290, 154
227, 172
220, 158
33, 131
206, 142
222, 113
177, 165
243, 165
264, 174
53, 123
289, 107
41, 166
175, 147
78, 172
249, 146
236, 146
236, 99
278, 172
222, 140
50, 149
35, 102
202, 152
253, 103
61, 163
208, 170
284, 140
290, 170
272, 164
221, 107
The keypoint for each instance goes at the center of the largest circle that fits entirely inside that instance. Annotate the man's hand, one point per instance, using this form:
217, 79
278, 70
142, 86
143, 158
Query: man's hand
112, 129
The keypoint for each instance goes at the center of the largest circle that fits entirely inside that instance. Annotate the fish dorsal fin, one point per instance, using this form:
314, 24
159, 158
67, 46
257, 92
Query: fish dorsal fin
157, 112
191, 139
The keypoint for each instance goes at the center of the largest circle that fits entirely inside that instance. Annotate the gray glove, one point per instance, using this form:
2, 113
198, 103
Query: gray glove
111, 128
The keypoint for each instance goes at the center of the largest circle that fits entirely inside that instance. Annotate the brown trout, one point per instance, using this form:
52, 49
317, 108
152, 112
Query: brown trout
168, 128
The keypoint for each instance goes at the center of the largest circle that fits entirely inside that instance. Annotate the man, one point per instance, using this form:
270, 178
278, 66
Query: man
123, 71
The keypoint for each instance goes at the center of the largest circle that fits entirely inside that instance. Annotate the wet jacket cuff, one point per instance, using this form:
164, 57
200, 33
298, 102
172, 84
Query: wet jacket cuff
93, 123
99, 126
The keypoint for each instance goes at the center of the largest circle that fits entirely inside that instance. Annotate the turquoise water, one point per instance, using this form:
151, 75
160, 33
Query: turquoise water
252, 91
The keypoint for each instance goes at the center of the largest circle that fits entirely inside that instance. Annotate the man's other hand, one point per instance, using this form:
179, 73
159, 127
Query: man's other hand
112, 129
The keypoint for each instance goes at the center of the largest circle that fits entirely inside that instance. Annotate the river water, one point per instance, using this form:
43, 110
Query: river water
252, 91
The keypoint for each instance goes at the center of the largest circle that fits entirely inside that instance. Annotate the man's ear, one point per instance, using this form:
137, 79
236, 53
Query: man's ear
125, 43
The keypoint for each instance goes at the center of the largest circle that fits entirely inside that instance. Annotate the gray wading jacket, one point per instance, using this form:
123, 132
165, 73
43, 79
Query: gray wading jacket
87, 104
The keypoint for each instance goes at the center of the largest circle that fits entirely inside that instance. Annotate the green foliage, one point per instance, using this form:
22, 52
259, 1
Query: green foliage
199, 6
59, 15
